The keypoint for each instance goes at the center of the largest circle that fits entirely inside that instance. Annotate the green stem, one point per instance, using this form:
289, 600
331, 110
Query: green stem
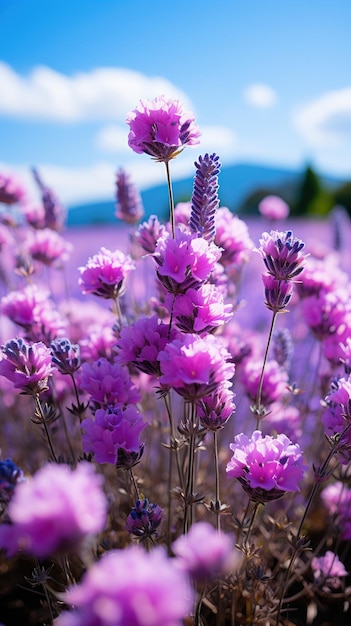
43, 421
217, 499
258, 407
171, 200
188, 512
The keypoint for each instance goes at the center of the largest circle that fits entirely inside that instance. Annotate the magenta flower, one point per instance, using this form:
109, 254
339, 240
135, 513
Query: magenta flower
144, 519
233, 237
130, 587
107, 383
105, 273
148, 234
265, 466
27, 366
327, 571
129, 206
34, 215
48, 246
114, 428
274, 208
277, 293
282, 254
140, 343
336, 498
185, 261
11, 190
275, 380
200, 310
195, 366
161, 128
216, 409
57, 509
206, 554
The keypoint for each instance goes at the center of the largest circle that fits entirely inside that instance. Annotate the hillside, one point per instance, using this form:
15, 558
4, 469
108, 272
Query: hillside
235, 183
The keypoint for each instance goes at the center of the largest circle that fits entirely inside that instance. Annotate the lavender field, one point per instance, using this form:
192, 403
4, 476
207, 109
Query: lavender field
175, 406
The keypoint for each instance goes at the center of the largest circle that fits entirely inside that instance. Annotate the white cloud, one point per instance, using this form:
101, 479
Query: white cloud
112, 138
326, 120
260, 96
101, 94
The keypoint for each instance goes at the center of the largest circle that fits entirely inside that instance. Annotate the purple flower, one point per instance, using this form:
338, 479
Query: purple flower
129, 206
148, 234
204, 200
283, 348
48, 246
274, 208
232, 236
10, 477
65, 355
54, 510
266, 466
206, 554
195, 366
200, 310
215, 410
185, 261
11, 190
161, 128
140, 343
277, 293
107, 383
105, 273
34, 214
336, 497
130, 587
114, 428
55, 214
28, 366
282, 254
327, 571
144, 519
275, 380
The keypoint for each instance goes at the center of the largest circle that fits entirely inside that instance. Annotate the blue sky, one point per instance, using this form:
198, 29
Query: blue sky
269, 82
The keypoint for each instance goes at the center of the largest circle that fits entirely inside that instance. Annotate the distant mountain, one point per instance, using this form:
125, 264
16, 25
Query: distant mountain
235, 183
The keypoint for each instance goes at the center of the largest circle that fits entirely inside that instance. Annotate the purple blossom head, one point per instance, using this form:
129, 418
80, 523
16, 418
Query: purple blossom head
277, 293
185, 261
56, 509
55, 214
274, 208
215, 409
282, 254
27, 366
105, 273
65, 355
232, 236
283, 348
10, 477
114, 428
275, 380
11, 190
34, 215
320, 275
265, 466
200, 310
206, 554
327, 572
144, 519
111, 591
204, 200
148, 234
129, 206
161, 128
326, 314
48, 247
195, 366
336, 497
107, 383
140, 343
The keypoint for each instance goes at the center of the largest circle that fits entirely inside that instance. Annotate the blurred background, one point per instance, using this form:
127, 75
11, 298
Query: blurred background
269, 83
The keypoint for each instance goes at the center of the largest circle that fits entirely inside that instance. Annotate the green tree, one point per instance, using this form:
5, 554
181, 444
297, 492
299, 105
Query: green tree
312, 198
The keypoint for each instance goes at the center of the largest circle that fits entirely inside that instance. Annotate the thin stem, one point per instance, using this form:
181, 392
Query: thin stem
260, 385
188, 512
134, 483
173, 446
43, 421
217, 499
118, 310
171, 200
253, 517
